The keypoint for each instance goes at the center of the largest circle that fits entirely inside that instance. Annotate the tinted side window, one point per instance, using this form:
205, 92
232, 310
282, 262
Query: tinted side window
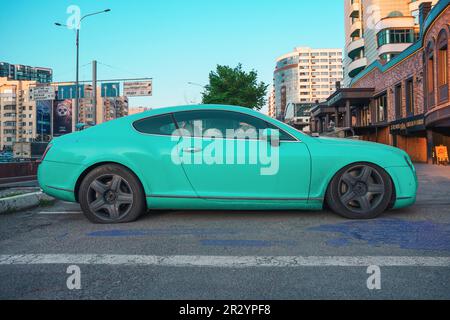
284, 136
203, 123
161, 125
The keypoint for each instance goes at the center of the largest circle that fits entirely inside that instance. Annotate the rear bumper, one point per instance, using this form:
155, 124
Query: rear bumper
58, 179
406, 184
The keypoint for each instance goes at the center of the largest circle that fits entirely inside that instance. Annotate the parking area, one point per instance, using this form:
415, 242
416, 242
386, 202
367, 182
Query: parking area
232, 255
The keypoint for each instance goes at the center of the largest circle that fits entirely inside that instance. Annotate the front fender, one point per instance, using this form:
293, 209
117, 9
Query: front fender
328, 159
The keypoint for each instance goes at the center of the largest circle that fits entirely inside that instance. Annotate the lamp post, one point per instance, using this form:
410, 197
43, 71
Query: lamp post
77, 90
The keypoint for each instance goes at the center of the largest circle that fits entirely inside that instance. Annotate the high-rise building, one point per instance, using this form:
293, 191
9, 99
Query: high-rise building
377, 30
136, 110
305, 76
17, 113
21, 72
271, 103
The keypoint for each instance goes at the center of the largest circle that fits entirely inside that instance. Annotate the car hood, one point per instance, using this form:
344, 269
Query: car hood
360, 144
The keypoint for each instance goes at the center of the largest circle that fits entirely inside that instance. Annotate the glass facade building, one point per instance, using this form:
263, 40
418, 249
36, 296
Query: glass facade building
21, 72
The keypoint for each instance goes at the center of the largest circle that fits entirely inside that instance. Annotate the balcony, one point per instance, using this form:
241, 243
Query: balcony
395, 23
392, 48
355, 29
356, 67
355, 47
355, 9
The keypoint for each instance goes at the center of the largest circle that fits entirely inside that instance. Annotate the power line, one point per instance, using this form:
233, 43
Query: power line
117, 68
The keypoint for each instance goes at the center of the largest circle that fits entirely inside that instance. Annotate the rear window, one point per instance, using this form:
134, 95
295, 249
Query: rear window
160, 125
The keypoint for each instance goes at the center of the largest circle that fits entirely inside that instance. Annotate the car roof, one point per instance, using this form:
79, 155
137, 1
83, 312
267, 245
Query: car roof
197, 107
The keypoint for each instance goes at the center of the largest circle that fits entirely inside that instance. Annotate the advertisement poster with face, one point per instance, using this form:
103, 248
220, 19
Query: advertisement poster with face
43, 117
62, 117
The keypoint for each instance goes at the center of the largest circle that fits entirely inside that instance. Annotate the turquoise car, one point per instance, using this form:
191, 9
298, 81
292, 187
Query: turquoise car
216, 157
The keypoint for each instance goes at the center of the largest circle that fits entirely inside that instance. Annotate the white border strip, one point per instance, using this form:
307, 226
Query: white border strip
224, 261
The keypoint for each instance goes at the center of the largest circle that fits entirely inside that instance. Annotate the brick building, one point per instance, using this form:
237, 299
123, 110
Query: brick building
404, 102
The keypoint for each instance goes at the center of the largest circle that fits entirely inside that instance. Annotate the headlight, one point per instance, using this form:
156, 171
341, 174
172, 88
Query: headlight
409, 162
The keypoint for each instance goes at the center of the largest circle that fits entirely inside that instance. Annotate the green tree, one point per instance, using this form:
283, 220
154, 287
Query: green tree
235, 87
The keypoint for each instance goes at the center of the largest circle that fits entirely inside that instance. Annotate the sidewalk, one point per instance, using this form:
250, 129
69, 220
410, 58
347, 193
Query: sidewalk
437, 181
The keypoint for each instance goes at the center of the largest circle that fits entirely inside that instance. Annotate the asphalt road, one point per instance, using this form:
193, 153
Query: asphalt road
232, 255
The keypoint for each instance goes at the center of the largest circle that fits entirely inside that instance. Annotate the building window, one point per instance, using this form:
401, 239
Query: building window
442, 66
386, 57
398, 101
381, 106
388, 36
430, 75
409, 97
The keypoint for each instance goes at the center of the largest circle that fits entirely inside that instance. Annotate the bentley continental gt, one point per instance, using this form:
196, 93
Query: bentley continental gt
216, 157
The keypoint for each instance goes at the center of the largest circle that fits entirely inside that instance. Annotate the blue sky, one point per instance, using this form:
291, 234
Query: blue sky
173, 41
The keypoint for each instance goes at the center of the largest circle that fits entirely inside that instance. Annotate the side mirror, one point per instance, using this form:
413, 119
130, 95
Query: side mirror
315, 135
80, 126
272, 136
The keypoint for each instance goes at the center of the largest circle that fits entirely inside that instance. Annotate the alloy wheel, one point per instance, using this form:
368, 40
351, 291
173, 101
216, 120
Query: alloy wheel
361, 189
110, 197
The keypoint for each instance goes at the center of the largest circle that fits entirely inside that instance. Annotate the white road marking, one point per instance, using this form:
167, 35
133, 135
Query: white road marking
224, 261
59, 212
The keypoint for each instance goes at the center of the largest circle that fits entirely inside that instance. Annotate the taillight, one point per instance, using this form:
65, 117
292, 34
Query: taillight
45, 153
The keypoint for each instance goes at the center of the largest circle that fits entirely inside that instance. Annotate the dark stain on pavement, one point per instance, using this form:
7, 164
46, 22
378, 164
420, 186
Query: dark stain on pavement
415, 235
159, 232
247, 243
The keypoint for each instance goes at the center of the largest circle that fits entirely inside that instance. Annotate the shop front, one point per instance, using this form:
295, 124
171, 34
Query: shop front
410, 135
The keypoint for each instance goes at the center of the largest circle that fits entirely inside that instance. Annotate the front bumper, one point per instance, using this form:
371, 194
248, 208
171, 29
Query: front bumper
58, 179
406, 184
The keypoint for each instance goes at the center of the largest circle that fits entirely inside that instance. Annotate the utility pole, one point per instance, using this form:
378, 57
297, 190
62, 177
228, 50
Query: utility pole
94, 87
77, 92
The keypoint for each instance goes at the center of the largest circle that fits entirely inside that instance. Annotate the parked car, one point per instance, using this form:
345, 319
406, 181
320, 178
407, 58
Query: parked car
170, 158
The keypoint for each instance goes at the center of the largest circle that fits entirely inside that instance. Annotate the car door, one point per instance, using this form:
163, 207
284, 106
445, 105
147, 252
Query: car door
156, 136
224, 159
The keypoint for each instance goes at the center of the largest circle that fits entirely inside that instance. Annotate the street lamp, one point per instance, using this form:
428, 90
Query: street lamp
77, 92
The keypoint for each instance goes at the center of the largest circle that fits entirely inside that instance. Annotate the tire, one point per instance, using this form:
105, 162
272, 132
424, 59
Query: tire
360, 191
111, 194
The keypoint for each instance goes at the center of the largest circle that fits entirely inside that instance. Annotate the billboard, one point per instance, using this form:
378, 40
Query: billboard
62, 117
43, 117
137, 89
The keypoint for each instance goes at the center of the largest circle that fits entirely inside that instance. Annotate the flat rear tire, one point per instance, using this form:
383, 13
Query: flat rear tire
111, 194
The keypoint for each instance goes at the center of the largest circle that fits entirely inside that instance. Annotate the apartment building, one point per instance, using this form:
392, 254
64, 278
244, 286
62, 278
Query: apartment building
377, 30
17, 113
271, 103
404, 102
305, 76
21, 72
137, 110
24, 120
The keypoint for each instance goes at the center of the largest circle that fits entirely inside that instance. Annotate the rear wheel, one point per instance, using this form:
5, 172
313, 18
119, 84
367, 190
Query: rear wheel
360, 191
111, 194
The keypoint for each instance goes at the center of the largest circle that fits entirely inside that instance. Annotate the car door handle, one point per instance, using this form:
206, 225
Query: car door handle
192, 150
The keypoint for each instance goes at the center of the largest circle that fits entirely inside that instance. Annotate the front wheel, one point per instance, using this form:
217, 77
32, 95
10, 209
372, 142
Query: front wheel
360, 191
111, 194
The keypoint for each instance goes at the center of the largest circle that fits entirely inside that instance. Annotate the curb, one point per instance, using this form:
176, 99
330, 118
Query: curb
23, 201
